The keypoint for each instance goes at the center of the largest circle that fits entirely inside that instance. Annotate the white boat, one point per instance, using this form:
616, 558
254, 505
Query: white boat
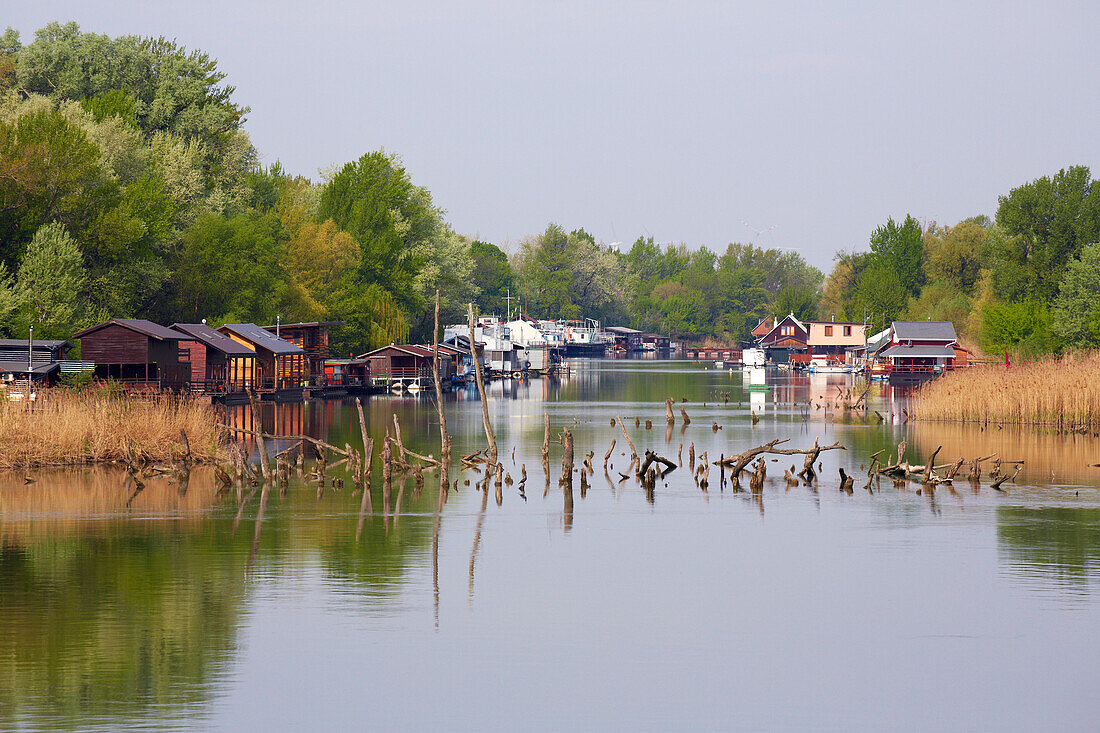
829, 368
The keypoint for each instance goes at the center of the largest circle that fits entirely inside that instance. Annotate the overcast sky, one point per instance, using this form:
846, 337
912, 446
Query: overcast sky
677, 120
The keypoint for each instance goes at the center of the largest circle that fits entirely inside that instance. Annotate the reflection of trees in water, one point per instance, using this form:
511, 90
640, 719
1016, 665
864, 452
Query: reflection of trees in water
111, 617
115, 622
1052, 541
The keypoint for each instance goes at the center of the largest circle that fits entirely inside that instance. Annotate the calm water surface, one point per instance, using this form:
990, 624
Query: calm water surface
802, 608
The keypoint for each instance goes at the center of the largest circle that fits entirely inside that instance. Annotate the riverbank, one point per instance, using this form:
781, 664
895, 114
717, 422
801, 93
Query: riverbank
65, 427
1061, 393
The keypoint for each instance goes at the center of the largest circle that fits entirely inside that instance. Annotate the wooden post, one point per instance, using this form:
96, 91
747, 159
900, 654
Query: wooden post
567, 455
258, 432
668, 411
545, 436
444, 439
481, 391
633, 451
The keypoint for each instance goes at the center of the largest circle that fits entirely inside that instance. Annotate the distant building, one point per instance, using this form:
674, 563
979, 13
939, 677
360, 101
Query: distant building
39, 361
784, 340
312, 338
918, 349
219, 365
137, 352
279, 365
828, 341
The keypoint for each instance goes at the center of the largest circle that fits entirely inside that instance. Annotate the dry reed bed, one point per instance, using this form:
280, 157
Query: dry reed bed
1062, 393
65, 427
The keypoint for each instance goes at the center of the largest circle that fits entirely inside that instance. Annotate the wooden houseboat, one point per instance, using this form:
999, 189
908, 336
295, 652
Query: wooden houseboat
219, 365
785, 342
406, 366
136, 352
918, 350
279, 368
311, 338
351, 376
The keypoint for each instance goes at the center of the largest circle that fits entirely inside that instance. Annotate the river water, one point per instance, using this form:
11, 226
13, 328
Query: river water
798, 608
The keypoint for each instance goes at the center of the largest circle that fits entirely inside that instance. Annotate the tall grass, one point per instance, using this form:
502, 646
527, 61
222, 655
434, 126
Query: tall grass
1058, 392
67, 427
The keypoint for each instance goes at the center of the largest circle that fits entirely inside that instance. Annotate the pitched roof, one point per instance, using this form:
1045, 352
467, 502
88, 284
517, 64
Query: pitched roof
140, 325
208, 336
20, 367
622, 330
262, 338
917, 352
410, 349
38, 343
924, 331
780, 322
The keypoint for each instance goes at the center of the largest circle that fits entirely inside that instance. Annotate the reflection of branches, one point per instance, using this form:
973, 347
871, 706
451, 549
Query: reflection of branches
259, 526
435, 539
477, 533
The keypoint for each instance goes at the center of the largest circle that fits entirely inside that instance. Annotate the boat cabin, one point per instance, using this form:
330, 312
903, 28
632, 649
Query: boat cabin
786, 341
406, 363
920, 348
219, 365
347, 372
136, 352
312, 338
278, 365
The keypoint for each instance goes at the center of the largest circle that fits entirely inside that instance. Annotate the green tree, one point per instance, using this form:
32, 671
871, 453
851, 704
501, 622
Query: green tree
10, 301
880, 294
900, 247
954, 254
374, 200
234, 269
1023, 326
49, 172
1076, 310
492, 273
1051, 219
52, 280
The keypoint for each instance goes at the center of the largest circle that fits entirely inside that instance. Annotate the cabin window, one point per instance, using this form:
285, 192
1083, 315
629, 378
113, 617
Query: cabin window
828, 330
847, 330
787, 330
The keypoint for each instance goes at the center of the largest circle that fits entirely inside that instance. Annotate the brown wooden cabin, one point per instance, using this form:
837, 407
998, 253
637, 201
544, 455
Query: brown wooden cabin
405, 362
219, 365
312, 338
279, 365
136, 352
347, 373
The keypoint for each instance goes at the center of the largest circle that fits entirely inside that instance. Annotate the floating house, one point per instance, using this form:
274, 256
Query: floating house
786, 341
38, 361
136, 352
278, 367
625, 339
347, 374
406, 366
828, 342
919, 350
219, 365
311, 338
655, 342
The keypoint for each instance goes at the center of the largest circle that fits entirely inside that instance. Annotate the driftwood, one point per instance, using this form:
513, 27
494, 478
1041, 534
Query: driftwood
607, 455
633, 451
669, 417
684, 415
736, 464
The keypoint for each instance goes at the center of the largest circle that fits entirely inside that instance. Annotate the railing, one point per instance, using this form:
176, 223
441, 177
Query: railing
402, 373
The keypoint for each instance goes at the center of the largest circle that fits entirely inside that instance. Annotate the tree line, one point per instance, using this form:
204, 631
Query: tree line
129, 188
